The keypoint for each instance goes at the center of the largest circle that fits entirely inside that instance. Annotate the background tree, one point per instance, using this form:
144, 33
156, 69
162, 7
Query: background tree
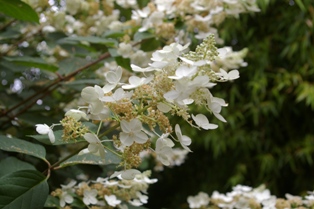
269, 135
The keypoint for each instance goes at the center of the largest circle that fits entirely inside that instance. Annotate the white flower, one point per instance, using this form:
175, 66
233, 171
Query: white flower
65, 198
125, 50
126, 174
142, 198
135, 202
180, 95
76, 114
117, 95
168, 55
132, 132
44, 129
199, 200
136, 68
70, 185
95, 147
164, 151
232, 75
90, 197
184, 72
92, 96
113, 78
202, 121
154, 19
215, 104
190, 62
112, 200
136, 81
183, 139
217, 195
269, 203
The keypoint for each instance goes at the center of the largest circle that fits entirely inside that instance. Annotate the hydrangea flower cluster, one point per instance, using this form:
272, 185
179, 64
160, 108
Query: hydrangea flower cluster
106, 192
96, 18
140, 108
245, 197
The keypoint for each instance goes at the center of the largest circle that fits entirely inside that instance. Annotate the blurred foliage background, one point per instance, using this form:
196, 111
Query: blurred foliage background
269, 137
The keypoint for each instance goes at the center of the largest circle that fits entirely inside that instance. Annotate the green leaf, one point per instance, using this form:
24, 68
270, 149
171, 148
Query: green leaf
52, 202
18, 10
12, 164
89, 39
150, 44
22, 146
124, 62
23, 189
32, 62
91, 159
301, 5
69, 65
138, 36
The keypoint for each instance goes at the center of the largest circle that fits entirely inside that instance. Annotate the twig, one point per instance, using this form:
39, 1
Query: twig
43, 92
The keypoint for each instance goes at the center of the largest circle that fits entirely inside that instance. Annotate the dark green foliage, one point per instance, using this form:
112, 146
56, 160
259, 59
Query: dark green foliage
269, 137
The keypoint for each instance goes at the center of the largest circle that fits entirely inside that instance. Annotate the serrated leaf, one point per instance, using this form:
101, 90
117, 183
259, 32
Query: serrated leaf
89, 39
23, 189
22, 146
32, 62
18, 10
12, 164
91, 159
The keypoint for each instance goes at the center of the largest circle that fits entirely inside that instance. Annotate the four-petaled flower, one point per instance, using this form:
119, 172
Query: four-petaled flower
136, 82
112, 200
163, 150
132, 132
95, 147
44, 129
184, 140
76, 114
202, 121
92, 96
90, 196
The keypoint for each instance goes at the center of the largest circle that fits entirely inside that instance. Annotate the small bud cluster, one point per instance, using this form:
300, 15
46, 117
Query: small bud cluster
72, 129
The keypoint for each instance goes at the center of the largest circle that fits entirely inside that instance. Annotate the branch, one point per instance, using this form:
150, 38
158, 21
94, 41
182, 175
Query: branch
43, 92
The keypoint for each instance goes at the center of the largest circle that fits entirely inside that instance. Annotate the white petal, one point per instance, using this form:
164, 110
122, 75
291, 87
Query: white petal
89, 94
202, 121
129, 174
51, 136
83, 151
163, 107
141, 138
233, 74
76, 114
91, 138
125, 139
42, 128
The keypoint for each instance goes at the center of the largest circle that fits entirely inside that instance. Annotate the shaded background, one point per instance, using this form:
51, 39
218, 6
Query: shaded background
269, 137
